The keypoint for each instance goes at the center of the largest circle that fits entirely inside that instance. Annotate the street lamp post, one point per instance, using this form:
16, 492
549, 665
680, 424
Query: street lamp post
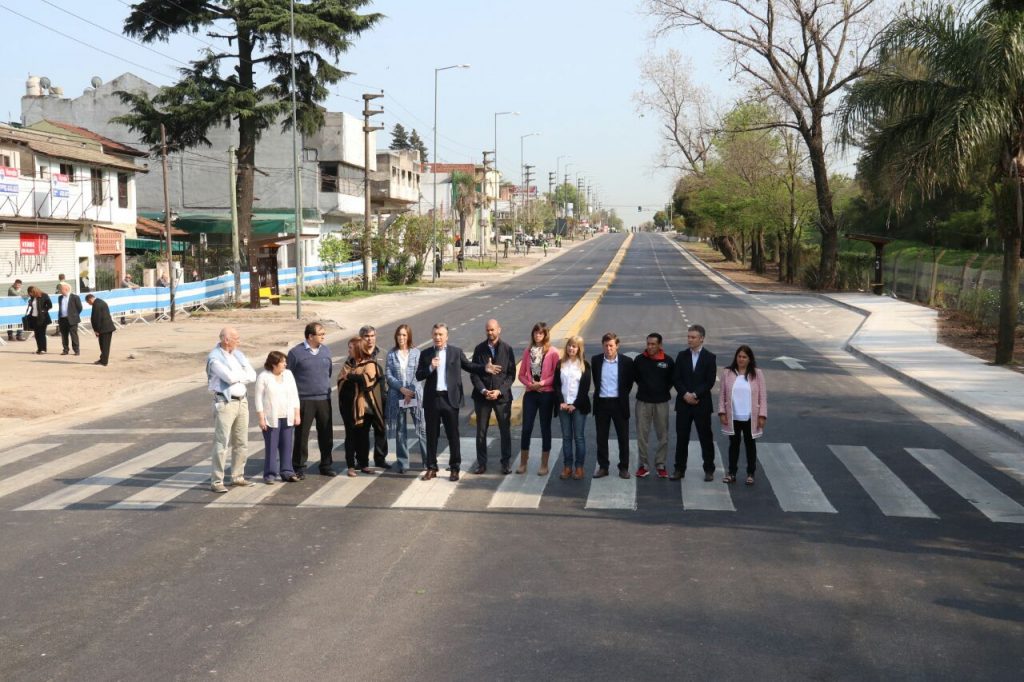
433, 276
522, 167
558, 177
497, 182
568, 225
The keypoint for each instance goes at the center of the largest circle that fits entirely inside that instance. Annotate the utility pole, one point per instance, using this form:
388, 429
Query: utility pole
300, 261
367, 233
167, 217
488, 168
527, 176
236, 261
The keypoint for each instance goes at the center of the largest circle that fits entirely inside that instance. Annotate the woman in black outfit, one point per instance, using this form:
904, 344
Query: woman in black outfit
39, 305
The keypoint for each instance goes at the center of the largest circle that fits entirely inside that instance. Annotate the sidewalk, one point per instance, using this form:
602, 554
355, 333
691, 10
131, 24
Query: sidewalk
902, 339
152, 362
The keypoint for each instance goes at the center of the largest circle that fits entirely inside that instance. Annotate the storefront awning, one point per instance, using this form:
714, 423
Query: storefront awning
153, 245
265, 223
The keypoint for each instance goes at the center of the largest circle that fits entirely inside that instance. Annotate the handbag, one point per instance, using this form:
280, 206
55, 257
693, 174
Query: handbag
28, 322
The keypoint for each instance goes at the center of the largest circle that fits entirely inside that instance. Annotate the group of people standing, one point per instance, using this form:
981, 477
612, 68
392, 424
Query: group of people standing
40, 309
379, 394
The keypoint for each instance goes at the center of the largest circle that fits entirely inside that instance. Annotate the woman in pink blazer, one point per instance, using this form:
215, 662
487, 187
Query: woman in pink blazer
743, 409
537, 373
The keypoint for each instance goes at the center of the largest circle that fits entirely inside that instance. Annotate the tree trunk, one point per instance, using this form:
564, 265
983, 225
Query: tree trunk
727, 247
1009, 288
247, 137
826, 217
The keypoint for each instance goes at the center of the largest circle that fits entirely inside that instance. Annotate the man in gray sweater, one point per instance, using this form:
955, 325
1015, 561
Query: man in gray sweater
310, 364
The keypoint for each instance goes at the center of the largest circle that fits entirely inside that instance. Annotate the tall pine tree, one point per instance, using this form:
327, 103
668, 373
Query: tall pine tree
416, 143
256, 36
399, 138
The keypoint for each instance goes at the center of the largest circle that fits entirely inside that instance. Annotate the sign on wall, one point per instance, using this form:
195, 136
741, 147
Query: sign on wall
9, 181
59, 186
34, 244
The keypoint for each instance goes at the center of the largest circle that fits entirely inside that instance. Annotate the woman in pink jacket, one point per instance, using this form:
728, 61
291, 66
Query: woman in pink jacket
743, 409
537, 373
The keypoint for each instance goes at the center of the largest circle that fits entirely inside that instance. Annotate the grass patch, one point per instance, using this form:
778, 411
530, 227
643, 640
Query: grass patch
347, 291
472, 264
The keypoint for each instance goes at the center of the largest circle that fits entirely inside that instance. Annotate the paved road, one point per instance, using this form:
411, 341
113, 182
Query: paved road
874, 544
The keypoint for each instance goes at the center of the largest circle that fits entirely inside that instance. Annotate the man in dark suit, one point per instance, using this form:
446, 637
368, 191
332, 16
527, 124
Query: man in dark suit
439, 369
694, 376
493, 393
613, 380
102, 326
69, 308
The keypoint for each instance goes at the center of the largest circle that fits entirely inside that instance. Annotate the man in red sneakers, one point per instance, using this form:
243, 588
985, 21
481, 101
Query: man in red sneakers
653, 370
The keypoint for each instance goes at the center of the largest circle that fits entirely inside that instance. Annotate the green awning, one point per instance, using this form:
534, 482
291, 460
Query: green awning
265, 222
153, 245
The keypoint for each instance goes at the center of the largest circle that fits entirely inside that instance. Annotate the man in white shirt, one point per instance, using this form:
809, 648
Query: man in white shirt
228, 371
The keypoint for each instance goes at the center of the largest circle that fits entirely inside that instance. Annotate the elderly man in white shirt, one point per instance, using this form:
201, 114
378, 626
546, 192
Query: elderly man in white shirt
228, 371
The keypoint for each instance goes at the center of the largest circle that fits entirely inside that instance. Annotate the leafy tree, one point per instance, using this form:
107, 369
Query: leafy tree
257, 34
333, 252
399, 138
660, 219
465, 199
613, 220
942, 106
416, 143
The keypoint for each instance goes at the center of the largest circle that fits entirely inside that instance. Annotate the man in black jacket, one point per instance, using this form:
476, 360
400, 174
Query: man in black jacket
69, 310
102, 326
613, 380
654, 371
695, 374
493, 393
440, 368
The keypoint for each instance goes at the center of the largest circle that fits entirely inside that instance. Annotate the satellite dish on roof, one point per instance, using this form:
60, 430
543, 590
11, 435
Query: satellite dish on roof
96, 81
44, 83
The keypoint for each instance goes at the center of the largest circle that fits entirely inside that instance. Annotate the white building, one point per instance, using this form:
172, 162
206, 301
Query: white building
67, 198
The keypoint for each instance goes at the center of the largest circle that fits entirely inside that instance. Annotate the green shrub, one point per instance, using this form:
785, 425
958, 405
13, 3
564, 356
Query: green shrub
328, 289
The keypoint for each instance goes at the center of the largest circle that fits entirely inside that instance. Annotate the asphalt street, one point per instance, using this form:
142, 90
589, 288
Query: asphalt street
875, 544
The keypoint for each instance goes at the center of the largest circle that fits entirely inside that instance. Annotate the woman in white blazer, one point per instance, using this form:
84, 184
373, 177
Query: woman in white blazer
743, 409
277, 406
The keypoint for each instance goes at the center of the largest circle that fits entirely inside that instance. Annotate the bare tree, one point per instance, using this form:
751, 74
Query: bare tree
684, 112
801, 52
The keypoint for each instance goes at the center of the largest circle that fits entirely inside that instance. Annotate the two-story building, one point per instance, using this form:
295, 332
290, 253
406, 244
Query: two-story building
67, 203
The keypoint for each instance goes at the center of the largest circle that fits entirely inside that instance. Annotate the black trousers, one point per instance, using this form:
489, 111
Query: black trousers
104, 340
608, 411
437, 410
39, 331
67, 329
742, 430
685, 418
502, 410
310, 411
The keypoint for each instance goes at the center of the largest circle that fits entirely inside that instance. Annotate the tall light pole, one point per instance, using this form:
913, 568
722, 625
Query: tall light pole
558, 179
433, 276
497, 181
522, 162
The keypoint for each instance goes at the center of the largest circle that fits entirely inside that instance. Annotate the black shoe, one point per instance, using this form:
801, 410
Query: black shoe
479, 470
623, 473
506, 468
64, 352
454, 476
601, 473
300, 475
677, 475
292, 479
330, 473
382, 465
40, 352
709, 476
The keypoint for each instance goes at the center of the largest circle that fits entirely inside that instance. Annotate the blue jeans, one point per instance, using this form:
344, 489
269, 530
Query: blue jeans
535, 402
574, 442
399, 429
277, 460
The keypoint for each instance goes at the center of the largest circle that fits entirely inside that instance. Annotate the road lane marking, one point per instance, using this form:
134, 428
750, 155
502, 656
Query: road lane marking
1010, 463
612, 492
159, 494
76, 492
891, 494
523, 491
435, 493
793, 484
339, 491
53, 469
698, 494
983, 495
23, 451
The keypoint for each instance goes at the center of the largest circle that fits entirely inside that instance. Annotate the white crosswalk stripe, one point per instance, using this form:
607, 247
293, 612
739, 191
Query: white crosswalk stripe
699, 495
23, 451
115, 475
435, 493
340, 491
612, 492
524, 491
1010, 463
984, 496
52, 470
794, 486
891, 495
161, 493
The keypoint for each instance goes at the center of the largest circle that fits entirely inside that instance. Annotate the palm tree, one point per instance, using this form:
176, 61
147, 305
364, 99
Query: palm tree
464, 199
943, 104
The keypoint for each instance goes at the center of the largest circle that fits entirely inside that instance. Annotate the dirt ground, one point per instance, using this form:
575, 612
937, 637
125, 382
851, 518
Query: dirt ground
953, 329
149, 361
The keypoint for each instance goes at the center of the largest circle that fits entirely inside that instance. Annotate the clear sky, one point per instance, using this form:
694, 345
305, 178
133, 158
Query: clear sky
570, 67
